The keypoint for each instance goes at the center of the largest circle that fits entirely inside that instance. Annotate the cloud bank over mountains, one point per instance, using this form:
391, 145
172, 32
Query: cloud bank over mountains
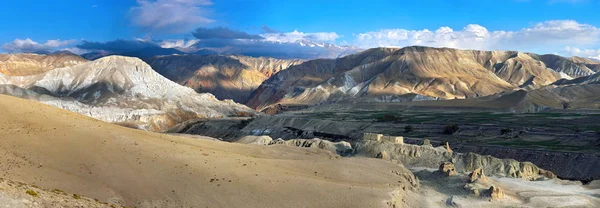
544, 36
588, 53
29, 46
223, 40
564, 37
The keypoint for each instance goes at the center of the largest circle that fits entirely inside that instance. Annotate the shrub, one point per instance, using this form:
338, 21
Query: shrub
575, 129
505, 131
408, 129
31, 192
58, 191
451, 129
244, 123
242, 114
76, 196
566, 105
389, 118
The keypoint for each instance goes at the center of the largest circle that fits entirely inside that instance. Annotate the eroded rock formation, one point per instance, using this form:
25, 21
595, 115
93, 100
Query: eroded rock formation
30, 64
432, 157
120, 90
447, 168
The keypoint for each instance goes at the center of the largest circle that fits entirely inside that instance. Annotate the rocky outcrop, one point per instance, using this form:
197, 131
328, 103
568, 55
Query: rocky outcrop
375, 74
564, 164
31, 64
448, 147
477, 176
495, 192
260, 140
340, 148
383, 155
447, 168
226, 77
426, 156
120, 90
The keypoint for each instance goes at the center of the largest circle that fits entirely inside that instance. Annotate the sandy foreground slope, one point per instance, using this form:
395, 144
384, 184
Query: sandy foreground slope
56, 149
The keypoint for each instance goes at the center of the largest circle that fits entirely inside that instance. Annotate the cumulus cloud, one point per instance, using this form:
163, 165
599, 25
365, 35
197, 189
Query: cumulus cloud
170, 16
295, 36
29, 46
473, 36
223, 40
76, 50
269, 49
586, 53
274, 44
222, 33
140, 48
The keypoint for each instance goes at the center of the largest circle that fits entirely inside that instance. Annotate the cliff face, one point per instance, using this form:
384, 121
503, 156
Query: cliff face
120, 90
582, 93
429, 72
226, 77
428, 156
563, 164
30, 64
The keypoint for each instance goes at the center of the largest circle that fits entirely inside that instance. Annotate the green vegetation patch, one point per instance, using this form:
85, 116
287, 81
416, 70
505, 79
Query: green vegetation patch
31, 192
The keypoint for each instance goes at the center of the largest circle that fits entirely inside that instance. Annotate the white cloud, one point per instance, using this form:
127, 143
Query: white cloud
28, 45
539, 36
171, 16
586, 53
76, 50
295, 36
178, 43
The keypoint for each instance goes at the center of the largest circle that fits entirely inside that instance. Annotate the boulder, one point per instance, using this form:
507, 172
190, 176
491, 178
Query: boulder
383, 155
547, 174
477, 176
448, 147
496, 192
447, 168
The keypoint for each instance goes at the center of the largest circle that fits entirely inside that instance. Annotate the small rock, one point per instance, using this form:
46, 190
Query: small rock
477, 175
447, 168
448, 147
547, 174
496, 192
383, 155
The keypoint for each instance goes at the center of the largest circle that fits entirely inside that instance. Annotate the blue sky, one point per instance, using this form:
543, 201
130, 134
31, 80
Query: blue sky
549, 25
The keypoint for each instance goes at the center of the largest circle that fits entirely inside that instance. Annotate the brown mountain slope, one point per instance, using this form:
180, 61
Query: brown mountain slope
226, 77
382, 74
57, 149
578, 94
31, 64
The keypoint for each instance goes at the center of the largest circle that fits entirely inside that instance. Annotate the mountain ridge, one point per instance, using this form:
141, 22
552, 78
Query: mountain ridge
225, 76
121, 90
30, 63
438, 73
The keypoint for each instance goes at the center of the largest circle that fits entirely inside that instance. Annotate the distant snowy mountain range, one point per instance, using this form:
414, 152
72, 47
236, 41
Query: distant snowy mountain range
300, 49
